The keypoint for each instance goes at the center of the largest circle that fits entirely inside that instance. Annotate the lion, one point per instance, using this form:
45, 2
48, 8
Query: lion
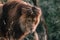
19, 19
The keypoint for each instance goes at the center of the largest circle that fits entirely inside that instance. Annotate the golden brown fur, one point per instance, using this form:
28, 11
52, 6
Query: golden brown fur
19, 19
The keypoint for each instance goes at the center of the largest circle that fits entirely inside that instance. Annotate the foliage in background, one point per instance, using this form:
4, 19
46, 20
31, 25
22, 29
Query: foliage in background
51, 11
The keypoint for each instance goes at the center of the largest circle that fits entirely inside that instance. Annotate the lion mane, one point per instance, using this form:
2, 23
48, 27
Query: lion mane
18, 19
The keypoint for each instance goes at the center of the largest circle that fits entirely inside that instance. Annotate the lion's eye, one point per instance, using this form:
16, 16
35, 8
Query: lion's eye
29, 20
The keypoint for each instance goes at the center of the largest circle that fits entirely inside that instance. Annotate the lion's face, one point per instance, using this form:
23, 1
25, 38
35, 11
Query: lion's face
29, 19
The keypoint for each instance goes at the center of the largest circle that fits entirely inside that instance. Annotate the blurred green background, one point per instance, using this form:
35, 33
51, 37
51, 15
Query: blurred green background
51, 11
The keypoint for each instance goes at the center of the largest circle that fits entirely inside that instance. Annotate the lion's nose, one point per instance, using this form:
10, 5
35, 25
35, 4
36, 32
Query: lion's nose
31, 28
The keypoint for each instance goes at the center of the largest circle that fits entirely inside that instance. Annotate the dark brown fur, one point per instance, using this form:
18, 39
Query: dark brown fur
19, 19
